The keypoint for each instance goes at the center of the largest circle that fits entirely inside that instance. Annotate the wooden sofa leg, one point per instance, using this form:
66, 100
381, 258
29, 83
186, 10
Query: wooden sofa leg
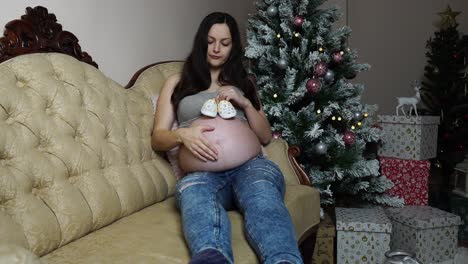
308, 244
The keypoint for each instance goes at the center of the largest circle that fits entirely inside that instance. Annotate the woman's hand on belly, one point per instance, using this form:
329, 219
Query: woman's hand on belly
234, 140
193, 139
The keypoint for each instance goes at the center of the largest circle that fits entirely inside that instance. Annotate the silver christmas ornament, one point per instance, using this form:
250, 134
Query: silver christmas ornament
321, 148
329, 76
272, 10
268, 1
282, 64
357, 116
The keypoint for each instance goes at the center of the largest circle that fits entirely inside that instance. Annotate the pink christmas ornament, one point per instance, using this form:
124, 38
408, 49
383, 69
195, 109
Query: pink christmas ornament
313, 86
337, 57
298, 21
349, 138
276, 135
320, 69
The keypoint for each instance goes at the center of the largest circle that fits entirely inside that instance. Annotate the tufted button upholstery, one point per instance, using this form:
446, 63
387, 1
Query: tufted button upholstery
75, 150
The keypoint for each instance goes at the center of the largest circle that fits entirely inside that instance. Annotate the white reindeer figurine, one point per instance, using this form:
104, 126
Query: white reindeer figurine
413, 101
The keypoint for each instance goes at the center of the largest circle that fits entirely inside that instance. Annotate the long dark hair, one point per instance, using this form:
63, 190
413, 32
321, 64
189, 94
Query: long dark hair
196, 77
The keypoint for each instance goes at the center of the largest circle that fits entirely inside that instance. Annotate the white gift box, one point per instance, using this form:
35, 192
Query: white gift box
429, 232
409, 137
363, 235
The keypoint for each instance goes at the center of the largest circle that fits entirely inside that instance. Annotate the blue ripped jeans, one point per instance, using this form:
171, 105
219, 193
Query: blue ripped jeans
256, 189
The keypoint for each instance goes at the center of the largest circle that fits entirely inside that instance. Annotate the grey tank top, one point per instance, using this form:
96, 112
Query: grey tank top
190, 106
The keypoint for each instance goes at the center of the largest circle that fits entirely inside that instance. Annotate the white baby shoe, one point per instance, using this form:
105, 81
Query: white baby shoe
226, 110
210, 108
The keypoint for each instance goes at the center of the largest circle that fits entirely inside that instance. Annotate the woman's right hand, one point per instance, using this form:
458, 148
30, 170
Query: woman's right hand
194, 140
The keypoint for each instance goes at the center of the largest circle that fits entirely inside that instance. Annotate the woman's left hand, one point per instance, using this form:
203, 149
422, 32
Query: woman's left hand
231, 94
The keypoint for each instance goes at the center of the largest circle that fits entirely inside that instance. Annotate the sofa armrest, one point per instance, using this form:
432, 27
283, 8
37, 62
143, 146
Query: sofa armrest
283, 155
16, 254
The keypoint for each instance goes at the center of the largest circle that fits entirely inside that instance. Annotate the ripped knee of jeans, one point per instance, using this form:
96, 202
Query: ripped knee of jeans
260, 181
188, 184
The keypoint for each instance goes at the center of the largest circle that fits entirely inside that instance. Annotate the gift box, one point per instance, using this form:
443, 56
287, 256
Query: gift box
363, 235
429, 232
324, 250
459, 206
412, 137
410, 179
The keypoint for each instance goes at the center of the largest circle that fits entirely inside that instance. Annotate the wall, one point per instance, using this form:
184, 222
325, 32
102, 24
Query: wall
392, 36
122, 36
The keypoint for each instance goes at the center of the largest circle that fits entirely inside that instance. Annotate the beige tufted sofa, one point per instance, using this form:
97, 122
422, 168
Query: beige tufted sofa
79, 182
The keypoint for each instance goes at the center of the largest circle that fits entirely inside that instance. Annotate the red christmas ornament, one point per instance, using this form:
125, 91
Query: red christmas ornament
465, 116
320, 69
313, 86
298, 21
337, 57
460, 147
349, 138
276, 135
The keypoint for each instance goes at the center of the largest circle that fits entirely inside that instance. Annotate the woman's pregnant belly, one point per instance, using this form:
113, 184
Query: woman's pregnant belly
234, 140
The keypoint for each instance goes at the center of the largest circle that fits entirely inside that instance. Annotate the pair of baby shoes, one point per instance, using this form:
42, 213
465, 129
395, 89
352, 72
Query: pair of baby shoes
224, 108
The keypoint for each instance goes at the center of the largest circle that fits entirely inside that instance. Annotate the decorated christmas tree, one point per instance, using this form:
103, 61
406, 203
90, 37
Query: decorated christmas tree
445, 91
303, 70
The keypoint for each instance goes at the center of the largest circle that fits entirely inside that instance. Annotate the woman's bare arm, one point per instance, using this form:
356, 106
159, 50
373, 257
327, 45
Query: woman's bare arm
164, 138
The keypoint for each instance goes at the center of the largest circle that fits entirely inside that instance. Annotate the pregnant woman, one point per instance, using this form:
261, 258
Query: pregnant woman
222, 127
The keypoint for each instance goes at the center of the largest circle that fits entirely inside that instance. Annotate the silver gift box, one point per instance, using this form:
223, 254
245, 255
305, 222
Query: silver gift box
429, 232
363, 235
412, 137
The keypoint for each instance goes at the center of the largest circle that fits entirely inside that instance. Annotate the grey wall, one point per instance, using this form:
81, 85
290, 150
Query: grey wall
123, 35
392, 36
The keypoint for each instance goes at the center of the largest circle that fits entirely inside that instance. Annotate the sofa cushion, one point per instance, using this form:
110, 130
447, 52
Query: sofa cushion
75, 152
154, 234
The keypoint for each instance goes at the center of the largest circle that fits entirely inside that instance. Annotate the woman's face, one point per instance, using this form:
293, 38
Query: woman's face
219, 45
